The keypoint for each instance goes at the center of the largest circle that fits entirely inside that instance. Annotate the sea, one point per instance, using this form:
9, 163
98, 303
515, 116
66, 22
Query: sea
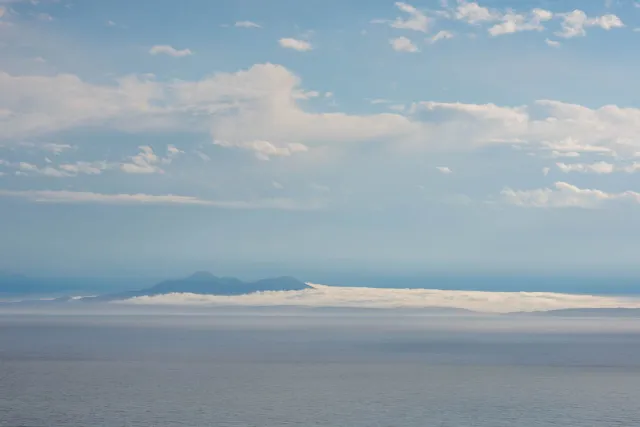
270, 367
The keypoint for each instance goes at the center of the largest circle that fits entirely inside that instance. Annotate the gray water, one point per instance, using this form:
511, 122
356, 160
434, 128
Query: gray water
260, 369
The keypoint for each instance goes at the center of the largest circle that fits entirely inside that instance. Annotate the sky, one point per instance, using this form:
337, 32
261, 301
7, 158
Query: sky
150, 138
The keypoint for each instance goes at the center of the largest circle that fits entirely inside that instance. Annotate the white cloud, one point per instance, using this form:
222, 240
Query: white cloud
598, 167
403, 44
361, 297
565, 195
170, 50
514, 22
444, 169
571, 147
29, 168
264, 150
575, 22
306, 95
552, 43
473, 13
607, 22
246, 24
56, 148
147, 161
43, 104
545, 171
51, 147
110, 23
173, 151
45, 196
417, 21
3, 10
62, 171
441, 35
82, 197
295, 44
86, 168
262, 104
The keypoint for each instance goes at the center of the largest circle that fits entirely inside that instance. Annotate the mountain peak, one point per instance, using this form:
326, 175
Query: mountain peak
201, 275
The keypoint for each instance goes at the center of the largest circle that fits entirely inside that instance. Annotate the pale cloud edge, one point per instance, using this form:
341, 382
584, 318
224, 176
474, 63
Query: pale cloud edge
85, 197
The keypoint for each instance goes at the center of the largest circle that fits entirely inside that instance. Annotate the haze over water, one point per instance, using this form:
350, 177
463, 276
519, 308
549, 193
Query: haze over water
260, 367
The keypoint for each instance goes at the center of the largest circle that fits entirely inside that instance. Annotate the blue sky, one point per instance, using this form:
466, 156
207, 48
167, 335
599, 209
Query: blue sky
148, 138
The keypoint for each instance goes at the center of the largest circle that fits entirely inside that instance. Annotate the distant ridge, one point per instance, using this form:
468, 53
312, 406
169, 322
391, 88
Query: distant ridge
205, 283
589, 312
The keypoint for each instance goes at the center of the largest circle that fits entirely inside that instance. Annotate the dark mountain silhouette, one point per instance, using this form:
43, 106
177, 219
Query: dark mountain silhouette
206, 283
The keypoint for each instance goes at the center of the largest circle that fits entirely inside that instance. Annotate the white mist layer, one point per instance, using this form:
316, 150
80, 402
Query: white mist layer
334, 296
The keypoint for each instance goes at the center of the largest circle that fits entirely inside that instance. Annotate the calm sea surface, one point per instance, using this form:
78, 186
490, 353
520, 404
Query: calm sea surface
260, 369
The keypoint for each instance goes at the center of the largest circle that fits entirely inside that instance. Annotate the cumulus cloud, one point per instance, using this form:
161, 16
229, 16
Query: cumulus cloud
564, 195
147, 161
264, 150
552, 43
45, 104
473, 13
574, 23
334, 296
263, 103
515, 22
295, 44
403, 44
170, 50
417, 21
444, 169
598, 167
83, 197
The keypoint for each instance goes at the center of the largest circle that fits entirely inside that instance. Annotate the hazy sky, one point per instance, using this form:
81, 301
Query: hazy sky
448, 135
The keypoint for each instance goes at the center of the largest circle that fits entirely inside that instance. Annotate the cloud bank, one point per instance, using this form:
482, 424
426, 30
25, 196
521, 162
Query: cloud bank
334, 296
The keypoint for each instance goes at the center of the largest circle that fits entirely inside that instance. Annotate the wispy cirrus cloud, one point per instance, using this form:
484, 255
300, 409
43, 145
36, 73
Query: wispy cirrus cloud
264, 150
564, 195
86, 197
246, 24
